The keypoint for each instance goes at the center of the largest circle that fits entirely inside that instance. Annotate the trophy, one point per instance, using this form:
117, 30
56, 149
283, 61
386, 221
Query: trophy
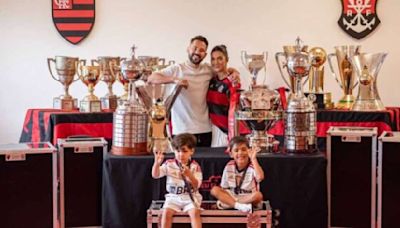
316, 79
106, 63
89, 75
130, 118
66, 68
347, 76
367, 66
260, 107
288, 79
158, 100
150, 62
300, 115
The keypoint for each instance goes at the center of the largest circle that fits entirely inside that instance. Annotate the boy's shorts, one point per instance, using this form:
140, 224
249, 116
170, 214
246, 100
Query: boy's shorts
223, 206
181, 202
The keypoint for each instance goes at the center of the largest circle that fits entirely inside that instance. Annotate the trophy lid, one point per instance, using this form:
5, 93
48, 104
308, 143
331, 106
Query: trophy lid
132, 69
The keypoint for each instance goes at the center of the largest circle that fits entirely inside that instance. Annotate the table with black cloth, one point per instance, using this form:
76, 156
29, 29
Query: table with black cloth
294, 184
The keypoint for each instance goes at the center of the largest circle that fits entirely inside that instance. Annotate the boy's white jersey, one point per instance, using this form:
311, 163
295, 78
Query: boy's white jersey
231, 179
175, 183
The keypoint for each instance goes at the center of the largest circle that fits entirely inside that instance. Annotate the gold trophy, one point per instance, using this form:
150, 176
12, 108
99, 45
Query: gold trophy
117, 73
316, 78
66, 68
367, 66
90, 75
106, 63
287, 78
150, 64
347, 80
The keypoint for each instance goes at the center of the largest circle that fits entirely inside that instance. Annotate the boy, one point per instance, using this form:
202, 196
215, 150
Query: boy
240, 181
183, 180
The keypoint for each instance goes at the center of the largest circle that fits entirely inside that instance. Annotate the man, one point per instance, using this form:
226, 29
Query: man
189, 114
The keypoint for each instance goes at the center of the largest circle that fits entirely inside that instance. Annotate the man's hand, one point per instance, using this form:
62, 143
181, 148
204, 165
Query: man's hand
159, 157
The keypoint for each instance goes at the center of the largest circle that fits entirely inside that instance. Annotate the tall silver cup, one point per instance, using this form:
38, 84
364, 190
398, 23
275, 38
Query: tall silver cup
347, 80
367, 66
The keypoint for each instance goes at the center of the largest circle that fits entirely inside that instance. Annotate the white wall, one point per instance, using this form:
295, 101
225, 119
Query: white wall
163, 28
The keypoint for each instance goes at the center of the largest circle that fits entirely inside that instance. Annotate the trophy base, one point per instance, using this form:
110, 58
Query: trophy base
346, 102
300, 144
90, 106
110, 102
368, 105
323, 100
65, 104
138, 149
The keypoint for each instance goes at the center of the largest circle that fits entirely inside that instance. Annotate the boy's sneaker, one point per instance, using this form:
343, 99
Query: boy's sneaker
243, 207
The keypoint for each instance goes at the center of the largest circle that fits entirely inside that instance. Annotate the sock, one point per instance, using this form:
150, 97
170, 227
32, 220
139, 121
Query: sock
243, 207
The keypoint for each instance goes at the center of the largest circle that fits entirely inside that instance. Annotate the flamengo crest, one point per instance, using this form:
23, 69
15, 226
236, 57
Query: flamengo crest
359, 17
74, 19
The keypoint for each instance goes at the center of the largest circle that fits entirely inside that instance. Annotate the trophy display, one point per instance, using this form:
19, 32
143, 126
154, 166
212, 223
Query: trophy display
316, 79
66, 68
281, 61
367, 66
130, 119
259, 108
110, 100
300, 115
90, 76
347, 80
158, 100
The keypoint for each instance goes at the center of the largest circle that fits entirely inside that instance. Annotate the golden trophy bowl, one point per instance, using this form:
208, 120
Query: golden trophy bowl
90, 76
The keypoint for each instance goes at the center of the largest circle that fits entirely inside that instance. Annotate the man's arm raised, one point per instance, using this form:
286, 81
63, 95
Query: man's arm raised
159, 78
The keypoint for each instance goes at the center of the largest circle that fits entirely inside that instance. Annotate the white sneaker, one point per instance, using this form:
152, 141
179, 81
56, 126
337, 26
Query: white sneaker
243, 207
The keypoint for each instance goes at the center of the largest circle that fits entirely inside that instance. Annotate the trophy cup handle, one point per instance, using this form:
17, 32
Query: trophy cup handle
280, 67
113, 73
49, 60
243, 58
93, 61
161, 61
79, 64
330, 56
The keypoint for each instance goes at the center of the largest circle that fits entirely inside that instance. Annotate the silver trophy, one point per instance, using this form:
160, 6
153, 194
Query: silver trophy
158, 100
367, 67
300, 115
347, 79
66, 68
260, 107
90, 76
130, 118
106, 63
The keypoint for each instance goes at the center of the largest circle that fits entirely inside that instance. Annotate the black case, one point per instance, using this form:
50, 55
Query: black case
352, 176
81, 169
28, 185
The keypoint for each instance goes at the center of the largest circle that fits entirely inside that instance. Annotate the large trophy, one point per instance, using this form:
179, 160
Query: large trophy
158, 99
106, 63
300, 115
90, 76
260, 107
287, 78
316, 78
347, 80
367, 67
66, 68
130, 118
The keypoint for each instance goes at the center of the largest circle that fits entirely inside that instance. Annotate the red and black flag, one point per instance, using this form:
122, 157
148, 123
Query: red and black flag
74, 19
359, 17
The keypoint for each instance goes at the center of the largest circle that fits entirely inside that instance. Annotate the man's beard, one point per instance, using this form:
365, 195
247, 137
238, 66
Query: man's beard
195, 59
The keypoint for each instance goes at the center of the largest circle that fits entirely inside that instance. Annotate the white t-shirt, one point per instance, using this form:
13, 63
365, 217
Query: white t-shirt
189, 113
230, 174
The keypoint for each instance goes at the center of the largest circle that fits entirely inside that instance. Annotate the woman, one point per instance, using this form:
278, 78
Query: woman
222, 98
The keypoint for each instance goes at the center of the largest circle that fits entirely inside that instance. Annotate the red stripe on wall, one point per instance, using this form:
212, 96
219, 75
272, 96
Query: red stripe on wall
74, 26
73, 13
74, 39
83, 1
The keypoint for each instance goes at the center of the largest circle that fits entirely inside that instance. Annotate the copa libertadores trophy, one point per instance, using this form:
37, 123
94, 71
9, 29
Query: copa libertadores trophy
367, 66
66, 68
316, 79
347, 79
158, 99
300, 115
130, 118
90, 76
106, 63
260, 107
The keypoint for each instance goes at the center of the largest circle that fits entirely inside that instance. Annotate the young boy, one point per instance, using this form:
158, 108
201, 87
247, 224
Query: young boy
183, 180
240, 181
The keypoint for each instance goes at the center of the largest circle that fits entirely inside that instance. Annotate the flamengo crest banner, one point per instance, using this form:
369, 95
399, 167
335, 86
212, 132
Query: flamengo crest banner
359, 17
74, 19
